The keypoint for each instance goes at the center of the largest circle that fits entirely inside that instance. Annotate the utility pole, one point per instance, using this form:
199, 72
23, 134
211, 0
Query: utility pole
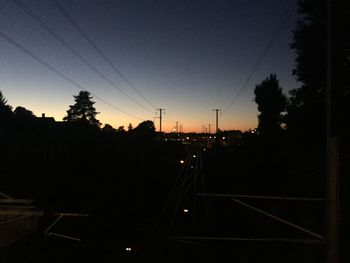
177, 127
160, 118
333, 152
217, 119
180, 128
209, 127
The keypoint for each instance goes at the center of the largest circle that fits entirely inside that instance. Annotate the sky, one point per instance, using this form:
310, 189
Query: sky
187, 57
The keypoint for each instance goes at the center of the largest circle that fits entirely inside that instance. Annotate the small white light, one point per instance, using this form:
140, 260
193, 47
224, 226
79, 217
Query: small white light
194, 156
185, 210
182, 161
128, 249
223, 138
187, 138
191, 166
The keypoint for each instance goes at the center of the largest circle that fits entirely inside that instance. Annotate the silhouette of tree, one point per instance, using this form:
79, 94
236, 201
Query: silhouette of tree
306, 108
121, 129
271, 103
108, 128
83, 110
5, 109
130, 128
3, 101
145, 130
5, 114
22, 113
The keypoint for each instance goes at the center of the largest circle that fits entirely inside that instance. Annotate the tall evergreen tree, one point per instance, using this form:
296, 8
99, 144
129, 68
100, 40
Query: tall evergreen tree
83, 110
4, 107
6, 114
306, 109
271, 103
3, 101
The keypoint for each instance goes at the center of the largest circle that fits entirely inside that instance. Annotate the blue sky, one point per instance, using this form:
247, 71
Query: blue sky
185, 56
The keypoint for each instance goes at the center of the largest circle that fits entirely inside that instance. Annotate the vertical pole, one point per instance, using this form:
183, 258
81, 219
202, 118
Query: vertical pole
160, 119
217, 119
209, 127
332, 146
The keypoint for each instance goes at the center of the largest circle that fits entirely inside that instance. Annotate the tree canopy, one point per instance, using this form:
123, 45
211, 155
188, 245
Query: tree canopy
5, 113
145, 130
306, 109
271, 103
22, 113
4, 107
83, 110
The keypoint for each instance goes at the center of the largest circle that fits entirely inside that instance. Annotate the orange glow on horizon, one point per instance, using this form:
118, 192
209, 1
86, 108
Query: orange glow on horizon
188, 125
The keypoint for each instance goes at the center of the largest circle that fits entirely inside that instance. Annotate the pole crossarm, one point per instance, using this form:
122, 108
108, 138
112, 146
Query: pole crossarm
213, 238
278, 218
264, 197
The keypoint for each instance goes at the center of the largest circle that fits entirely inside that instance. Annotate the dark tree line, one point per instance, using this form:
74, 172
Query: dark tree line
319, 106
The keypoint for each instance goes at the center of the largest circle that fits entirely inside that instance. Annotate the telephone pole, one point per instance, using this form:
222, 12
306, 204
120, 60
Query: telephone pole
177, 127
333, 135
209, 125
160, 118
217, 119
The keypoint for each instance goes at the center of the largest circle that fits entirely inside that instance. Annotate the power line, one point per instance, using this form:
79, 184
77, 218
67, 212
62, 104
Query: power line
99, 51
273, 38
71, 49
62, 75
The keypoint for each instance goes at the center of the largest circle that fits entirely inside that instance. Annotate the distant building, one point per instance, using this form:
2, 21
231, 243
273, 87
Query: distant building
46, 120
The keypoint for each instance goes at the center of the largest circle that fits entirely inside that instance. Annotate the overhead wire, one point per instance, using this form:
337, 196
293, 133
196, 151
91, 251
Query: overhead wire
61, 74
27, 10
65, 13
272, 40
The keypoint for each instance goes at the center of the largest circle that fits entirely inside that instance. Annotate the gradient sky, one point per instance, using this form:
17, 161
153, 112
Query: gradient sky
185, 56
